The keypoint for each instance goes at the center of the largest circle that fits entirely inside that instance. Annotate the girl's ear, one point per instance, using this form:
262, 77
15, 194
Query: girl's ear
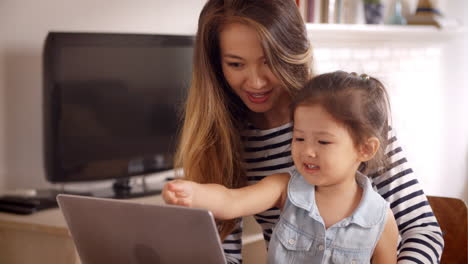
368, 149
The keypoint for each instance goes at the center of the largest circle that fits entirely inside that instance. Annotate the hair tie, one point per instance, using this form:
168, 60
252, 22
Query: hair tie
363, 76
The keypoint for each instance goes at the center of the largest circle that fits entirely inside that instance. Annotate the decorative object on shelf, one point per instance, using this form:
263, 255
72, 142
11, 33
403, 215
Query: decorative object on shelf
427, 13
427, 8
397, 18
373, 10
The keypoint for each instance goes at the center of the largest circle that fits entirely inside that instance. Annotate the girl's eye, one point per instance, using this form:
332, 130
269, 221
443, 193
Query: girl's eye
323, 142
298, 139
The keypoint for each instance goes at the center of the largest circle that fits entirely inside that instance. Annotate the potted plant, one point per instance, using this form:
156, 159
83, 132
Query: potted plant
373, 11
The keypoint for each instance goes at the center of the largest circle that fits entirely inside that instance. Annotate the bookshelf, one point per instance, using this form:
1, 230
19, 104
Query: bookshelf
324, 33
329, 21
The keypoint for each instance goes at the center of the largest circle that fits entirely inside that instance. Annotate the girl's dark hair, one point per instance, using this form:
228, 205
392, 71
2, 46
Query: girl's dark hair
361, 103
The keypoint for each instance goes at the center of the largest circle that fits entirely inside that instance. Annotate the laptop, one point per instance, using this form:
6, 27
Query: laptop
125, 232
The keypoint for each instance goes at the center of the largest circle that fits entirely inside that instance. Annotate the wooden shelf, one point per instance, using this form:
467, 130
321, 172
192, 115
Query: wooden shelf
320, 33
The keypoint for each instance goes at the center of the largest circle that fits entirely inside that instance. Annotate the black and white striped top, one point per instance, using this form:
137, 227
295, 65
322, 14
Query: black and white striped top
269, 151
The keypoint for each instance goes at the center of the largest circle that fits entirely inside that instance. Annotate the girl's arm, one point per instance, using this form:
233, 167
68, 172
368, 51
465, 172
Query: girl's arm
227, 203
385, 251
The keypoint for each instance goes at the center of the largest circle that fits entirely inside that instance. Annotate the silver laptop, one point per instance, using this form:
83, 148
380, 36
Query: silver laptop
124, 232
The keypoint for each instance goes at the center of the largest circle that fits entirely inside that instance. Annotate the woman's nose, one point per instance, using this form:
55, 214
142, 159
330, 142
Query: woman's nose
256, 79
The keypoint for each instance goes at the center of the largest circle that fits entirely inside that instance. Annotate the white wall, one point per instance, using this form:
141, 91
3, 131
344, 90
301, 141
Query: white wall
23, 28
454, 176
441, 165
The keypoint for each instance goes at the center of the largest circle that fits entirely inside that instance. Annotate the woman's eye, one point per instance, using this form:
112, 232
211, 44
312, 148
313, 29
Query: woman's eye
323, 142
298, 139
234, 64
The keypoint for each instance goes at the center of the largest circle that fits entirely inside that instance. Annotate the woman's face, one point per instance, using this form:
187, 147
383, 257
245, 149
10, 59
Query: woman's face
247, 71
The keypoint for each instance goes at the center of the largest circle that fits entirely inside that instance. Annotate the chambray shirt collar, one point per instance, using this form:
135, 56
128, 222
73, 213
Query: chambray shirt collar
302, 195
300, 192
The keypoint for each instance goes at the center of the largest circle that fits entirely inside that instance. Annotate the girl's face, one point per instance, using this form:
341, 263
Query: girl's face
322, 148
247, 71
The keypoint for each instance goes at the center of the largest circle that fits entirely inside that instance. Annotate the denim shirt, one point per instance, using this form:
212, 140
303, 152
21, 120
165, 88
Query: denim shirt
300, 235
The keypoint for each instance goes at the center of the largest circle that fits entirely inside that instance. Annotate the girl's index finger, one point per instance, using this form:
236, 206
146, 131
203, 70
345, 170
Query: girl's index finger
181, 194
176, 185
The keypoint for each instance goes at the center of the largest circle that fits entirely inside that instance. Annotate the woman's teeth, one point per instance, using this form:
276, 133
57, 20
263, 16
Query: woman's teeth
258, 98
258, 95
311, 166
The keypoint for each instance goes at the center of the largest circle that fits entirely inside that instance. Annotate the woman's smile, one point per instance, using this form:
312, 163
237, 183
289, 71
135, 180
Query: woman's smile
258, 98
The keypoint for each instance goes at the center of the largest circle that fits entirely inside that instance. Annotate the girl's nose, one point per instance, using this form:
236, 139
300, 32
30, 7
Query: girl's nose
310, 152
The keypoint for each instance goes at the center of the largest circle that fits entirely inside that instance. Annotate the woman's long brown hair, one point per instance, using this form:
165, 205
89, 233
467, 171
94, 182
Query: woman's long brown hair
210, 146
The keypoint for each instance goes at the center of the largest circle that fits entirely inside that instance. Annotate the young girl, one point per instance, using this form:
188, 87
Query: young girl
330, 212
250, 58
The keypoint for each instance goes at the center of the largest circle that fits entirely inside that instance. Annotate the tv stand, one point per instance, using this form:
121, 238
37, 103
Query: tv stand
42, 237
122, 188
27, 204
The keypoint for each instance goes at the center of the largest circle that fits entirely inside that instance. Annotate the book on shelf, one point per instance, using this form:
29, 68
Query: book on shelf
310, 10
331, 11
314, 9
302, 6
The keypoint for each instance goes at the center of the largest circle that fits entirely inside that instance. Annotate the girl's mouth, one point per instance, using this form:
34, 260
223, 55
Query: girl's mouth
311, 168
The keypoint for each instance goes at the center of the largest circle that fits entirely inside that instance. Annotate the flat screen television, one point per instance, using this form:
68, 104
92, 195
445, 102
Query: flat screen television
111, 104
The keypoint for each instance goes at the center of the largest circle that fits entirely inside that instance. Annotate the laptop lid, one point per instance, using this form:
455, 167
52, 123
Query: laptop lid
125, 232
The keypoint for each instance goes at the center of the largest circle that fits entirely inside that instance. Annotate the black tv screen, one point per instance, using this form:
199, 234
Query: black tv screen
112, 103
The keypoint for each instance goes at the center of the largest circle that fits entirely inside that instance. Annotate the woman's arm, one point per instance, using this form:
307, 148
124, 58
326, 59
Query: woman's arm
421, 238
228, 203
386, 249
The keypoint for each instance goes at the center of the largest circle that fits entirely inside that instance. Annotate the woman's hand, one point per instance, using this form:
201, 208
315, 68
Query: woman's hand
179, 192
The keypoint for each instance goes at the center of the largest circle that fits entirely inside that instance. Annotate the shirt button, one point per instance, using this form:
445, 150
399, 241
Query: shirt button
321, 247
291, 241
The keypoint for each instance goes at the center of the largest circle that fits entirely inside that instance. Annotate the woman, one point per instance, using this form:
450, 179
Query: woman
251, 57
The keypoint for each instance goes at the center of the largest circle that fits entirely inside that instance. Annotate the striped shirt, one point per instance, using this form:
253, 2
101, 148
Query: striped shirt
268, 152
